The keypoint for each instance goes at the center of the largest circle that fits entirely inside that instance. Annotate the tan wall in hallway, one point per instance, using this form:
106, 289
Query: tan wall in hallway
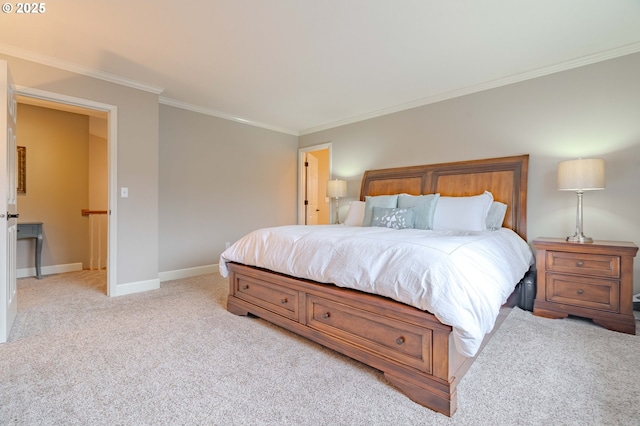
57, 145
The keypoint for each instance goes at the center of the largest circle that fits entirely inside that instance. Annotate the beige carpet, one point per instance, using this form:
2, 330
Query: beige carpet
174, 356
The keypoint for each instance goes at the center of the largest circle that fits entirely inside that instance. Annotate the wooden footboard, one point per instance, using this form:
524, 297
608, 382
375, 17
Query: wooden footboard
411, 347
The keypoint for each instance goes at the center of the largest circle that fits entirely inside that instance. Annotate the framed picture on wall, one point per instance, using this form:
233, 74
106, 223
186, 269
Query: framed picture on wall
22, 170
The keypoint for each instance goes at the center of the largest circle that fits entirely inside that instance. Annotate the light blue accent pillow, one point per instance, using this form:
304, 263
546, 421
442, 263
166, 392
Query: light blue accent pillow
387, 201
496, 214
392, 218
424, 207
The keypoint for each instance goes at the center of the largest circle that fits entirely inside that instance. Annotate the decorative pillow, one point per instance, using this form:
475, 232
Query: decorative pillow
424, 207
462, 213
496, 214
387, 201
355, 215
392, 218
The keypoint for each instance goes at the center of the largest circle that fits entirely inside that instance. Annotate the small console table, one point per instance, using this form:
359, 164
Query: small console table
33, 230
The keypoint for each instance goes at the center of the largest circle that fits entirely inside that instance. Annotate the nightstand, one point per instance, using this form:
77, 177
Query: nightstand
590, 280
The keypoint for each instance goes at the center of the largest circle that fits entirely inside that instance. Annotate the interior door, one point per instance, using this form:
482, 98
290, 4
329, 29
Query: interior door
8, 202
312, 189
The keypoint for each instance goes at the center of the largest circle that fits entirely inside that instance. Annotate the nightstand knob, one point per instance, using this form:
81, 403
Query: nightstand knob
580, 291
580, 263
400, 340
326, 315
285, 300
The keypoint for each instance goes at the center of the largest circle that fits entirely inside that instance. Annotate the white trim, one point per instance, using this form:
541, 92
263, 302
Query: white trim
195, 108
564, 66
301, 178
78, 69
112, 224
112, 143
188, 272
136, 287
49, 270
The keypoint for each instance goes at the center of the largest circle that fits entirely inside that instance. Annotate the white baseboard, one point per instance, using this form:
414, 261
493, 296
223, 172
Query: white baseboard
127, 288
49, 270
136, 287
188, 272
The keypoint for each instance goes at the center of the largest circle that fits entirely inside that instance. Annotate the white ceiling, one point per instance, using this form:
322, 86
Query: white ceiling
303, 65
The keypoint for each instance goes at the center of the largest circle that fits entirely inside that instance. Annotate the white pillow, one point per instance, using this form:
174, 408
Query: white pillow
462, 213
355, 215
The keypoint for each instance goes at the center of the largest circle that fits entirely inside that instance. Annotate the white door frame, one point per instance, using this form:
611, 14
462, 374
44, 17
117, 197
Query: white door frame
301, 177
112, 143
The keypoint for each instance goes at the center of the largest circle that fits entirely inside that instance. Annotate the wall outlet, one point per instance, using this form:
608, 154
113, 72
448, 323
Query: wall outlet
227, 245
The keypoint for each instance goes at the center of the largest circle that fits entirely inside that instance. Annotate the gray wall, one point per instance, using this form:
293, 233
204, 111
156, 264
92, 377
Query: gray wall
137, 164
219, 180
592, 111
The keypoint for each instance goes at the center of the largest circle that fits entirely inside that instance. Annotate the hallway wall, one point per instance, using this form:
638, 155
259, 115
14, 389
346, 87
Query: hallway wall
57, 177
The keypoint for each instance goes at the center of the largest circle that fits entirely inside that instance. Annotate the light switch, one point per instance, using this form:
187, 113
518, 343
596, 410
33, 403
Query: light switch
124, 192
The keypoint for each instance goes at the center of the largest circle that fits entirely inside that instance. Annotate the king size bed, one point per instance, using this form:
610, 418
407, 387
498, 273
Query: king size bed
415, 290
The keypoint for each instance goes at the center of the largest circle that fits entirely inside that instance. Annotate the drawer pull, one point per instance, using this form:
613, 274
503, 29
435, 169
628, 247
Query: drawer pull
400, 340
580, 291
326, 315
245, 287
580, 263
285, 300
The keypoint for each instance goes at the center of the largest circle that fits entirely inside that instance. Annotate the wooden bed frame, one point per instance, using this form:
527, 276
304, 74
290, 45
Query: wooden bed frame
411, 347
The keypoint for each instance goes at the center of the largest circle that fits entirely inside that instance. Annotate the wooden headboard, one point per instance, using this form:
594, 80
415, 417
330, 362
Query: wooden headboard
505, 178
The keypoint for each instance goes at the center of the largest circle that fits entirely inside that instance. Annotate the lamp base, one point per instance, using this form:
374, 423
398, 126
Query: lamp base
579, 239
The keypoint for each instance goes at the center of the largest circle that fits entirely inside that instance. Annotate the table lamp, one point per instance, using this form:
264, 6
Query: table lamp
580, 175
336, 189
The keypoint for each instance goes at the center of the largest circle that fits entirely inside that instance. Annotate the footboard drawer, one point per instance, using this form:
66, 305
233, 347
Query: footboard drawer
381, 336
278, 299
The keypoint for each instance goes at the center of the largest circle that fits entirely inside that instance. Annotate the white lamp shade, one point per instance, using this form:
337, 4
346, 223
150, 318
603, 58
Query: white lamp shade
581, 175
336, 188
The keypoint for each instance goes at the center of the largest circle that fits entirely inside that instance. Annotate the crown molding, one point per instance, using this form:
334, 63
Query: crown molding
219, 114
78, 69
564, 66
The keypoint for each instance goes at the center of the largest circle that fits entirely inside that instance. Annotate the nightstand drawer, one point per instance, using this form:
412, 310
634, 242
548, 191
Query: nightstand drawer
583, 263
582, 291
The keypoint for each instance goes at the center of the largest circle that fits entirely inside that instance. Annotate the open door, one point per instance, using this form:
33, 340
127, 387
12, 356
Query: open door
311, 167
8, 202
314, 170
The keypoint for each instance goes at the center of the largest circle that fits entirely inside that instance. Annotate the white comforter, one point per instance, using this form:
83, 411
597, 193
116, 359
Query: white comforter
462, 278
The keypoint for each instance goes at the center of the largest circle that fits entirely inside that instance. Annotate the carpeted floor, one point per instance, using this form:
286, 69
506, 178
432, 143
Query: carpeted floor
175, 356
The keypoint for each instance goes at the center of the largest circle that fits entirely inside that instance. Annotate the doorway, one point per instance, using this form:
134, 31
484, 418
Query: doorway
93, 218
314, 170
